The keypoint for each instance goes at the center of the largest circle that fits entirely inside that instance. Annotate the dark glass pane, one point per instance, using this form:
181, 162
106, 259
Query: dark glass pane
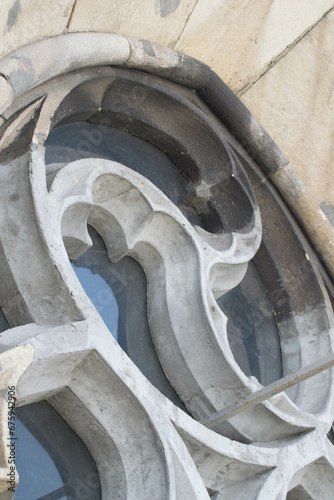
52, 462
252, 329
298, 493
330, 435
118, 291
3, 322
86, 140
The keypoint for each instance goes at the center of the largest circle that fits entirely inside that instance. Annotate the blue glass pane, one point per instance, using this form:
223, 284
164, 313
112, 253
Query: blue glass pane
98, 289
251, 327
51, 460
118, 291
38, 473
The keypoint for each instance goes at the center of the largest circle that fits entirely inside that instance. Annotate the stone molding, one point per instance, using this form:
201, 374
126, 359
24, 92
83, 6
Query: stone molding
28, 67
55, 317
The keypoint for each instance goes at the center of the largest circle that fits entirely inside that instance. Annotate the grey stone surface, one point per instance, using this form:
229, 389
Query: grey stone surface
13, 364
168, 6
13, 14
297, 107
39, 62
328, 210
6, 92
23, 21
240, 39
144, 446
161, 21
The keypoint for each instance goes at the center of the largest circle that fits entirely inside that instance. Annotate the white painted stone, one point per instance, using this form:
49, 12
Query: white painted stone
24, 21
294, 101
239, 39
147, 19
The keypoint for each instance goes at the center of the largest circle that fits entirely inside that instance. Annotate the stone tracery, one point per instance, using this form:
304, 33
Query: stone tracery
134, 217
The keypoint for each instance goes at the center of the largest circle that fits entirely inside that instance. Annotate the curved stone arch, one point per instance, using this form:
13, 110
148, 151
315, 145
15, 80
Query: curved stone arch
158, 226
99, 48
299, 357
167, 64
42, 127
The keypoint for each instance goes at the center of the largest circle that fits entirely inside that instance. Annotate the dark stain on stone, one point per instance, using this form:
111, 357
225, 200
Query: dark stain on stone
13, 14
328, 210
147, 46
20, 132
14, 197
13, 228
168, 6
22, 77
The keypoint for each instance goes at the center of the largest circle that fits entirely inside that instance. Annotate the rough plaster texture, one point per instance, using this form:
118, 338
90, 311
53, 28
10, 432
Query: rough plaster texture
240, 39
163, 20
294, 100
25, 21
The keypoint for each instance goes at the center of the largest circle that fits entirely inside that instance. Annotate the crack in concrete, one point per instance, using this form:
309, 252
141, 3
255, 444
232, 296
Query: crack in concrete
185, 24
71, 15
280, 56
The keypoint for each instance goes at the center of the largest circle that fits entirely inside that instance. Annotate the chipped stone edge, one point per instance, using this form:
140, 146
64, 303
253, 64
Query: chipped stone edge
13, 364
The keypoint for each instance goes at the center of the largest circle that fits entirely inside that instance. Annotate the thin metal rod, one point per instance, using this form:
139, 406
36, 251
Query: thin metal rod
270, 390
